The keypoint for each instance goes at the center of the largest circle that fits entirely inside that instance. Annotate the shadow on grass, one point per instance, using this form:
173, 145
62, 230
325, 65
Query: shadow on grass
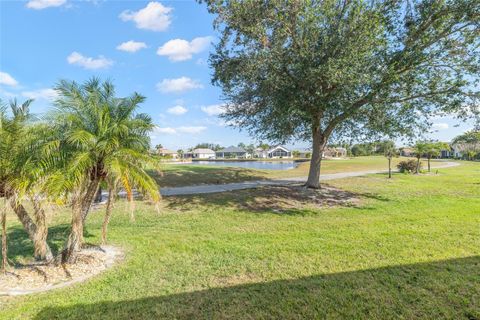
279, 199
447, 289
197, 175
20, 247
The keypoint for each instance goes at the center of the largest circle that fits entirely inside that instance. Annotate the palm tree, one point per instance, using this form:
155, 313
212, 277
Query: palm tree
434, 149
20, 173
102, 137
420, 149
390, 151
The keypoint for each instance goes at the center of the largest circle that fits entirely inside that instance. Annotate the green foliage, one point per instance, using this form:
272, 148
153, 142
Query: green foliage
408, 166
344, 67
206, 145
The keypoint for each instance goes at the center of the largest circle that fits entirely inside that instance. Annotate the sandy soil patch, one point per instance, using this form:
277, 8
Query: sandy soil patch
40, 277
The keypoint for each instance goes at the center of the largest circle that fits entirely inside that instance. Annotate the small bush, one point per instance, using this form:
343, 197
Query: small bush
408, 166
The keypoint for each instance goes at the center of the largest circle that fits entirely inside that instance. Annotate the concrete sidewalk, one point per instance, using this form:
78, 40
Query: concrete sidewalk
213, 188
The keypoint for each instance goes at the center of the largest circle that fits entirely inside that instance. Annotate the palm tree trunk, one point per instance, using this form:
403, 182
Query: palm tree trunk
4, 237
428, 164
79, 213
108, 212
318, 146
41, 251
41, 247
389, 168
418, 166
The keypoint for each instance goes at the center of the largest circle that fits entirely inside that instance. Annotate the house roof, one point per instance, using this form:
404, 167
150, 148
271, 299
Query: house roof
232, 150
203, 150
278, 147
166, 151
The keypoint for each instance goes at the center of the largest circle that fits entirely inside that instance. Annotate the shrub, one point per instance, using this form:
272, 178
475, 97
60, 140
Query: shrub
408, 166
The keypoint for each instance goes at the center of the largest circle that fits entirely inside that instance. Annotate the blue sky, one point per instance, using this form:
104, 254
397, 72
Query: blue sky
159, 49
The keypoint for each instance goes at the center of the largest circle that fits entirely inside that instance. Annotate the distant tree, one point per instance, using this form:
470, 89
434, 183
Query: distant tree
158, 147
420, 149
296, 154
242, 145
313, 70
390, 151
264, 146
468, 144
180, 153
250, 149
434, 149
206, 145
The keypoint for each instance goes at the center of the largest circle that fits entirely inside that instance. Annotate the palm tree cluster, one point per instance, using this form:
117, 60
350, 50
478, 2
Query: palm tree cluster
91, 139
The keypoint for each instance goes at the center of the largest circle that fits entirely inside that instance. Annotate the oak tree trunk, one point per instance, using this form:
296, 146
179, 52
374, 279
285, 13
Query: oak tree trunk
108, 212
318, 145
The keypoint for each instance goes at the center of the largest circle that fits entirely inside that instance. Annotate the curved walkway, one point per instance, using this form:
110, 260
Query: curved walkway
213, 188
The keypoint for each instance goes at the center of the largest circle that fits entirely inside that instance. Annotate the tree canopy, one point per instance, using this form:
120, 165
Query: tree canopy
317, 70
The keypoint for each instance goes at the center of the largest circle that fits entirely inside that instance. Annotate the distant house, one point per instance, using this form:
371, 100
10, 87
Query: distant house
168, 153
275, 152
304, 153
200, 153
260, 153
279, 152
407, 152
337, 152
231, 152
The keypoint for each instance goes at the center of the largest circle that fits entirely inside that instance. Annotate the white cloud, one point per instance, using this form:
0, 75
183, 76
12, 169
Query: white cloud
169, 130
43, 4
166, 130
191, 129
213, 110
7, 79
440, 126
177, 110
154, 16
178, 85
131, 46
181, 50
45, 94
88, 62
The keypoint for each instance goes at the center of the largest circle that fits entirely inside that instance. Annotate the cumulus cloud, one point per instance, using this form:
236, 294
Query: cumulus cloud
178, 85
154, 16
7, 79
181, 50
440, 126
45, 94
189, 130
88, 62
131, 46
213, 110
43, 4
177, 110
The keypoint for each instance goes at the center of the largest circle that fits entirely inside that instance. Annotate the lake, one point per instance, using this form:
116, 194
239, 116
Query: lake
260, 165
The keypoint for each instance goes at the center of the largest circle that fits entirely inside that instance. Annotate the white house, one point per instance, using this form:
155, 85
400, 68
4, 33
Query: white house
275, 152
200, 153
260, 153
279, 152
168, 153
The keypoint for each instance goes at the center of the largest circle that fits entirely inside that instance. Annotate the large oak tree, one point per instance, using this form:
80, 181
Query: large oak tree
320, 70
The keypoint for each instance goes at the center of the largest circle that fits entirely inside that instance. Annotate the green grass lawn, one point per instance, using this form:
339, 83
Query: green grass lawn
409, 249
174, 175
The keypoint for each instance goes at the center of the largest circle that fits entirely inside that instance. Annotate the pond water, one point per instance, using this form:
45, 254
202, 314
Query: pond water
261, 165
